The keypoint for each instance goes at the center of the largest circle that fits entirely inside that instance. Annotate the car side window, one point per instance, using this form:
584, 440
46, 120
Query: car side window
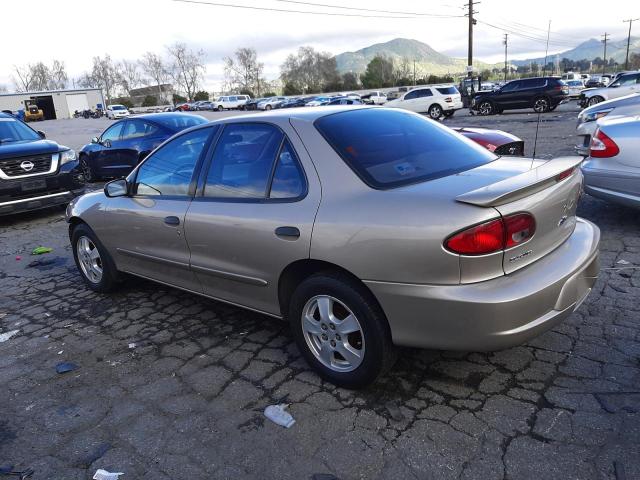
138, 129
425, 92
233, 99
411, 95
242, 161
168, 171
510, 87
288, 179
112, 133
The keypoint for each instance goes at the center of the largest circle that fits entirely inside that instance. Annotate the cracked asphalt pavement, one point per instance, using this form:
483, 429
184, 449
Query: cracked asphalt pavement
173, 386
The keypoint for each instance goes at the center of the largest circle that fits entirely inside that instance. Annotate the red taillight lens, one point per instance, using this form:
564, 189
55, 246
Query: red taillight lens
602, 146
520, 228
493, 236
448, 100
485, 238
566, 174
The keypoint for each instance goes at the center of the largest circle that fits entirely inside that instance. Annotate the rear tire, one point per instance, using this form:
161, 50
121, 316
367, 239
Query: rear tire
318, 314
435, 111
96, 267
541, 105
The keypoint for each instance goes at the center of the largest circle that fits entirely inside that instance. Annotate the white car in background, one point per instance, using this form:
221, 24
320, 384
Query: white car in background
228, 102
588, 118
271, 102
117, 111
436, 101
575, 87
623, 85
375, 98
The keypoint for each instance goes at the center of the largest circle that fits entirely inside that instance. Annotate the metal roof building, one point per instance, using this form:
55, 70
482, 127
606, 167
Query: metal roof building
55, 103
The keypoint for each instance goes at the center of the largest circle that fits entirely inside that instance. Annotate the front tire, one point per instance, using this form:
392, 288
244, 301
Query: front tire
87, 171
486, 108
93, 261
219, 108
594, 100
435, 111
268, 107
341, 330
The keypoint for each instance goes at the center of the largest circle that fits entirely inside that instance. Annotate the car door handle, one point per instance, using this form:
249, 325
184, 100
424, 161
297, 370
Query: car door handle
288, 233
171, 220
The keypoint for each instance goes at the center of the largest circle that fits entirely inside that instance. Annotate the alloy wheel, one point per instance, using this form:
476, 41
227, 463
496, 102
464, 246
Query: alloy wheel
485, 108
541, 105
333, 333
89, 259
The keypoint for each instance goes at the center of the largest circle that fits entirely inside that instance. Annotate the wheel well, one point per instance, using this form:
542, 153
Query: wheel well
296, 272
73, 223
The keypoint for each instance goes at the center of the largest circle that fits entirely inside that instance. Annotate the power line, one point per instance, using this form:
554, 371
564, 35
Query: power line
282, 10
305, 12
526, 33
421, 14
528, 37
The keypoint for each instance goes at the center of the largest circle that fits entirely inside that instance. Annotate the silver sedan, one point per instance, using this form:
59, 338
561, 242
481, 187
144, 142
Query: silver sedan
612, 170
364, 227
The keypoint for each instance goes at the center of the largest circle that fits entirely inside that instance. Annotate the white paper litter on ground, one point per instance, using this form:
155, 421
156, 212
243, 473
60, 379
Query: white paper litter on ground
623, 262
7, 335
104, 475
277, 414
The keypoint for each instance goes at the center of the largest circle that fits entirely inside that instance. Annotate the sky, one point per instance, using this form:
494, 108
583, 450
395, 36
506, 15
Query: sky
74, 31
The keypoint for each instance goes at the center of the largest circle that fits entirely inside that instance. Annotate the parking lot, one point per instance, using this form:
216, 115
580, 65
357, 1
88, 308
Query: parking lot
173, 386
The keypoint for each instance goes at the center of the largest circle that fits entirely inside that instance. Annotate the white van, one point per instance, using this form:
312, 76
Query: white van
230, 101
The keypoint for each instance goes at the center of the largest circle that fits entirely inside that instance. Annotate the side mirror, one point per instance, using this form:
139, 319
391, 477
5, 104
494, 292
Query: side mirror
95, 140
116, 188
41, 133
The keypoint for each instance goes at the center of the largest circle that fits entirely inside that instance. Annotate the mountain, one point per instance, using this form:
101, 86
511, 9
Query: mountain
590, 50
427, 59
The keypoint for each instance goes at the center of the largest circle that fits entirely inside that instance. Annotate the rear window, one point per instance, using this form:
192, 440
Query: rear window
389, 148
447, 90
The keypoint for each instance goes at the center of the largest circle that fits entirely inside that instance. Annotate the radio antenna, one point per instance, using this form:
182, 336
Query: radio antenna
544, 72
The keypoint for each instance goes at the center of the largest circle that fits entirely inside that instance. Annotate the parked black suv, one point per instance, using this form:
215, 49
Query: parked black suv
543, 94
34, 172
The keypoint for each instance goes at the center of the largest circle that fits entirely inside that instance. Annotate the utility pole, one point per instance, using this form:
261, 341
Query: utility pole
505, 41
414, 73
472, 22
605, 37
626, 61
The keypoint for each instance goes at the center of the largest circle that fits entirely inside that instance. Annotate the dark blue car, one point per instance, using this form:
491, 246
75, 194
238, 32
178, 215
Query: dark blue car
127, 142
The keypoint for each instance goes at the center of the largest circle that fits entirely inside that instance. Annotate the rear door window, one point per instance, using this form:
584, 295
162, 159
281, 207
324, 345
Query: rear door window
408, 148
511, 86
242, 161
447, 90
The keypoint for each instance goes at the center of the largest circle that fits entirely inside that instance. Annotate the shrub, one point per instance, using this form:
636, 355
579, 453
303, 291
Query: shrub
179, 98
150, 101
201, 95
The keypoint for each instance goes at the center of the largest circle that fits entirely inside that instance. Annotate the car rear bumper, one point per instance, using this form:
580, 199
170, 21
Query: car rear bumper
614, 186
498, 313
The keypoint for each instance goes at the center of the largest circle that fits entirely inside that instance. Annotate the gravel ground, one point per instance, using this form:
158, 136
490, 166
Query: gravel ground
173, 386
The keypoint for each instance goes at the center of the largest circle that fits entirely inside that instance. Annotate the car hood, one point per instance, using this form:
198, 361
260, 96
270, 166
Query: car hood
24, 148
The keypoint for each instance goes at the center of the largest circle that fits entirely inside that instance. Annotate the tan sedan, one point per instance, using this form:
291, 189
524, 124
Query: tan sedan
365, 227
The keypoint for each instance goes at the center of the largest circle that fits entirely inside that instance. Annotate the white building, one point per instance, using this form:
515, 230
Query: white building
55, 103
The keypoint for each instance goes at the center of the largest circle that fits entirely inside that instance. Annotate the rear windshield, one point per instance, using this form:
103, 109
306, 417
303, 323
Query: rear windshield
118, 107
447, 90
180, 122
388, 148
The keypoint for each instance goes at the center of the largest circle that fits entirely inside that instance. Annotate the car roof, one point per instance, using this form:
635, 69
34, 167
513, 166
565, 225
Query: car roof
6, 115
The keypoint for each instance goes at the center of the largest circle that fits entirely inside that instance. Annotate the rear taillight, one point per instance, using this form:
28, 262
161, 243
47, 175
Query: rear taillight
602, 146
566, 174
493, 236
448, 100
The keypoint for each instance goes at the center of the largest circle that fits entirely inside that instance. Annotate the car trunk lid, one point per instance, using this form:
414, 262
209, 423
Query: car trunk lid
549, 192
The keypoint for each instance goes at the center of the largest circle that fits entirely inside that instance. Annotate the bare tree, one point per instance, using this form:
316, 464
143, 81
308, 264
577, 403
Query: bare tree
155, 71
38, 76
244, 72
187, 67
105, 75
58, 78
130, 76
